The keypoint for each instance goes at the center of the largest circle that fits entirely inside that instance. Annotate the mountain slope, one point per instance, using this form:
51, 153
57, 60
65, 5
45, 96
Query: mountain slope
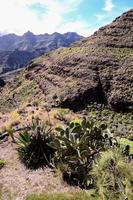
18, 51
97, 69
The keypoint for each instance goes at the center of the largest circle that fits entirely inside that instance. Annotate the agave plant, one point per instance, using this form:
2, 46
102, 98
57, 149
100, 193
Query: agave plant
33, 145
77, 146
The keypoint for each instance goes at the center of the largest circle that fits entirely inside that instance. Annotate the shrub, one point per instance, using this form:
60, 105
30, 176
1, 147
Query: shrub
113, 176
34, 150
11, 132
2, 163
127, 145
62, 113
76, 148
14, 118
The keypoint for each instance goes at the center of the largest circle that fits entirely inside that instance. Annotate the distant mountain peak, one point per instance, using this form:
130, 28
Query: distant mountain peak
17, 51
28, 33
29, 36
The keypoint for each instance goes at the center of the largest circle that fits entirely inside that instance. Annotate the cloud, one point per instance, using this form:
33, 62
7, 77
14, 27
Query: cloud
79, 26
41, 16
14, 17
108, 5
101, 17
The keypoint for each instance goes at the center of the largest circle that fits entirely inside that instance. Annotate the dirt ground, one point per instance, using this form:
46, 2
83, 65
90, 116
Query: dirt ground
16, 182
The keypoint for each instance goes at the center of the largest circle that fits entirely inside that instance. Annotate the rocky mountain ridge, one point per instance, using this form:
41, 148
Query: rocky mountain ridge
17, 51
96, 69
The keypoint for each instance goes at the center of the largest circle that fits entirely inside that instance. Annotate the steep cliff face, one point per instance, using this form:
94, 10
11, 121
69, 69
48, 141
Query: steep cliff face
97, 69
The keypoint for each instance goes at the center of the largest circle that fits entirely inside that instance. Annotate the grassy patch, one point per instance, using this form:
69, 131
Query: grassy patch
65, 196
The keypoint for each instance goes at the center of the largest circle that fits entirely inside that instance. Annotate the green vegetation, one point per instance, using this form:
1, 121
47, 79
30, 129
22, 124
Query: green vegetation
120, 124
76, 148
126, 143
94, 153
62, 112
113, 176
60, 54
33, 145
2, 163
10, 132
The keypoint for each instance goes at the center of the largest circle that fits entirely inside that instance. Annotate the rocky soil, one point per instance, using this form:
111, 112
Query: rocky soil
16, 182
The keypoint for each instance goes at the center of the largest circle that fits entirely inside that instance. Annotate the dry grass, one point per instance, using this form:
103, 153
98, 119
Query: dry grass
9, 120
17, 182
64, 196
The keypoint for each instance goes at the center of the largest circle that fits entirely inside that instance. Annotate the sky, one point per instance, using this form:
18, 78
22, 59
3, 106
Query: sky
48, 16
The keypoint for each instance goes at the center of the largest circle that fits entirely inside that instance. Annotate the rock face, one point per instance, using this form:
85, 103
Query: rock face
96, 69
18, 51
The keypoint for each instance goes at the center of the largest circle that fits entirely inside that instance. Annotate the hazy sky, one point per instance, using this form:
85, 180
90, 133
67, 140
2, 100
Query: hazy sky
48, 16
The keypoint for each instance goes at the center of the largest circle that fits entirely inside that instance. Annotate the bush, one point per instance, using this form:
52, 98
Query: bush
34, 150
11, 132
2, 163
113, 176
127, 145
76, 148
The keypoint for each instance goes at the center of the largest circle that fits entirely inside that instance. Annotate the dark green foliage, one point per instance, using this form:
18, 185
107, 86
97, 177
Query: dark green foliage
34, 150
76, 148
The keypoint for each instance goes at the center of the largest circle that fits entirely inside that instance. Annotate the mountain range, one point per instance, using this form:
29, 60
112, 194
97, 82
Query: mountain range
17, 51
95, 69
